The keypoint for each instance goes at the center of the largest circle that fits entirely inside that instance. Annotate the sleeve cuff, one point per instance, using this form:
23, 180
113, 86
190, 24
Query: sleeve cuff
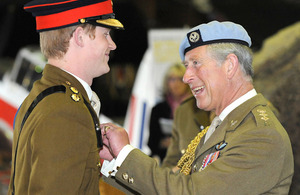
110, 168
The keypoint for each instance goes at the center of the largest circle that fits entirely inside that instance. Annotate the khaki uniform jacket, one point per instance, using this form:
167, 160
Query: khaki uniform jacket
257, 159
189, 120
57, 149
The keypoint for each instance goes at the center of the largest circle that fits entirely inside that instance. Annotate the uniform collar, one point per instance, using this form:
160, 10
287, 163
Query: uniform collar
236, 103
84, 84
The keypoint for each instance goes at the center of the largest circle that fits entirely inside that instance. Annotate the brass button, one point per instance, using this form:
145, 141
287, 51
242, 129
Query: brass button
68, 83
125, 176
99, 168
99, 164
131, 180
75, 97
182, 151
74, 90
195, 168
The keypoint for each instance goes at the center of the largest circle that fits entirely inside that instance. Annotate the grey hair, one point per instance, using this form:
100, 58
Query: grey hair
219, 51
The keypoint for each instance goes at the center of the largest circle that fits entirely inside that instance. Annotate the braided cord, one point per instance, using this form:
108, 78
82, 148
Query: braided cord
185, 162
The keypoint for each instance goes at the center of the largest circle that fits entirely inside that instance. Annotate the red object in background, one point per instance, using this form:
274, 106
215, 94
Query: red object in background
7, 113
5, 177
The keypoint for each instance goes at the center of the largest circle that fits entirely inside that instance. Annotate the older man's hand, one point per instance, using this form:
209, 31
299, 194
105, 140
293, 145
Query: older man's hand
114, 139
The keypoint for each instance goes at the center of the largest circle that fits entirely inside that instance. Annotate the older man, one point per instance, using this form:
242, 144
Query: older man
244, 151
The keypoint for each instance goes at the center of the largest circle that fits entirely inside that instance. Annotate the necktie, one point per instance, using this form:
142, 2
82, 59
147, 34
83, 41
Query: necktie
95, 102
214, 124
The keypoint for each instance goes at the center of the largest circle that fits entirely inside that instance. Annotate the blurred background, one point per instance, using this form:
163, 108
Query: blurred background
261, 19
276, 67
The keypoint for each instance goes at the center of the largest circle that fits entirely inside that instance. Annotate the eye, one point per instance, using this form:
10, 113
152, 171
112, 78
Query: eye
195, 63
106, 34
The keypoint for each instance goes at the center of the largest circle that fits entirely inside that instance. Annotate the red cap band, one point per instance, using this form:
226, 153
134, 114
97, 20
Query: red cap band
72, 16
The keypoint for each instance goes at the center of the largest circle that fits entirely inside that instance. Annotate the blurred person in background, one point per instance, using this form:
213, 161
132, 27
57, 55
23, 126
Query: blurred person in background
162, 114
188, 122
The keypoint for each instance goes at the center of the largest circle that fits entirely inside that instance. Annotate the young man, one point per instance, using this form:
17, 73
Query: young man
56, 135
244, 151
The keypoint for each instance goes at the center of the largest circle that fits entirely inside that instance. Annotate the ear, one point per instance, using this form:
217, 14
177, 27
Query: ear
232, 65
78, 36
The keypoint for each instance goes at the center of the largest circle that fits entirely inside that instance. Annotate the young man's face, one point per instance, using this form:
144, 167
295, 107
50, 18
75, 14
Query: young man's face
99, 50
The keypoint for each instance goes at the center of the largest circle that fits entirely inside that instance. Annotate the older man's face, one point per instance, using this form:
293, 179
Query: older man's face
206, 79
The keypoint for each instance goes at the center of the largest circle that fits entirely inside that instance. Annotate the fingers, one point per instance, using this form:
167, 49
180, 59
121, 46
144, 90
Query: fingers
115, 138
105, 129
109, 125
105, 154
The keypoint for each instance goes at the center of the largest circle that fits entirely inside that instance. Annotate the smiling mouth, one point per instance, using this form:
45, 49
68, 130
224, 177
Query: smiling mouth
197, 90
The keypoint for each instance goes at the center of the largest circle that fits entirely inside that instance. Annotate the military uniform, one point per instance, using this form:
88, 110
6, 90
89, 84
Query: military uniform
250, 154
57, 149
188, 121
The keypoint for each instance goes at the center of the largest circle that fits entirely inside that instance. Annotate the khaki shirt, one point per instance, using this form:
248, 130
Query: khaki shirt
57, 151
256, 159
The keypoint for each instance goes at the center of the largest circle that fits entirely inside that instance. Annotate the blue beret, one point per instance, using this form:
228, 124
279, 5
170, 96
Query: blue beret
214, 32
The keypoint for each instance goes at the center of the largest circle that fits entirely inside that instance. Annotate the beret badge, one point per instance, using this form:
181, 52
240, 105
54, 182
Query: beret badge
194, 37
214, 32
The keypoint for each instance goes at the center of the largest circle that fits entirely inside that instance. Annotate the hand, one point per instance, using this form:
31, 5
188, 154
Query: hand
165, 142
114, 139
175, 169
105, 152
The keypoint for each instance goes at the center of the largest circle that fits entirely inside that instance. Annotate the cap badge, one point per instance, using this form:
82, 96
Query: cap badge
194, 37
82, 21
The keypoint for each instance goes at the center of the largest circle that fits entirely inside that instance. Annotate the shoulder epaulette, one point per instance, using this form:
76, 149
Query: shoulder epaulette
73, 92
262, 117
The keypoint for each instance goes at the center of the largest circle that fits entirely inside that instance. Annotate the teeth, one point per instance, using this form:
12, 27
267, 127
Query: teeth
196, 90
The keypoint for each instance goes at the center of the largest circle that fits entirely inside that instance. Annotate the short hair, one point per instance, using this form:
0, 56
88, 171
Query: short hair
55, 43
219, 51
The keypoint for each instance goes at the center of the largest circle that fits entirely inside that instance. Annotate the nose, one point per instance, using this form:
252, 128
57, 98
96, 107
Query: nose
188, 76
112, 44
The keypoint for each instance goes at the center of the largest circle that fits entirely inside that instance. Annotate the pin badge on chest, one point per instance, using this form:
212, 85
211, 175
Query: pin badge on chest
221, 146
